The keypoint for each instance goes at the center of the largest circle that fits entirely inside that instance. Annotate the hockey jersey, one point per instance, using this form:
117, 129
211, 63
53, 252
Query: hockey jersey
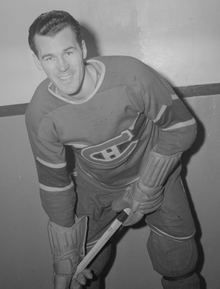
132, 111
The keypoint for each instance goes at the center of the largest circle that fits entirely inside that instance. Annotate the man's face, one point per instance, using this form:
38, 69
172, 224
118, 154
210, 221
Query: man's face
62, 59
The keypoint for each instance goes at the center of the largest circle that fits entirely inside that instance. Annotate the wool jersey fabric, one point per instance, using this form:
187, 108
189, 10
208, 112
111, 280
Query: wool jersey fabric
132, 111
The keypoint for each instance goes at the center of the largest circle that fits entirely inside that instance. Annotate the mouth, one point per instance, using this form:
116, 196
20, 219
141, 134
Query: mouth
66, 78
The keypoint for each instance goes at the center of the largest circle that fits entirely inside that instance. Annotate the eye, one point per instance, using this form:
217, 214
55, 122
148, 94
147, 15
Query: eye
69, 53
49, 58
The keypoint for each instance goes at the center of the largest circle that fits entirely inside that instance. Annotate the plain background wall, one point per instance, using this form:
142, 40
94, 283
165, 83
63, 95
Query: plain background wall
181, 39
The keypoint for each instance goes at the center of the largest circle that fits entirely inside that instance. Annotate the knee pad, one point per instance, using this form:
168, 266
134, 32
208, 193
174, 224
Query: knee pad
172, 258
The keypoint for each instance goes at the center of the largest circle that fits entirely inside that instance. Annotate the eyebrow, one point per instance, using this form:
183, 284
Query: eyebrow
65, 50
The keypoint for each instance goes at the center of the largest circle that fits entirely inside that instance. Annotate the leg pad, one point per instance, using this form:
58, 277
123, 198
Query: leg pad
172, 258
188, 281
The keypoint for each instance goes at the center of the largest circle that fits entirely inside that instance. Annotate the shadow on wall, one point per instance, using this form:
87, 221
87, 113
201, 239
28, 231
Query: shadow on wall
185, 160
91, 42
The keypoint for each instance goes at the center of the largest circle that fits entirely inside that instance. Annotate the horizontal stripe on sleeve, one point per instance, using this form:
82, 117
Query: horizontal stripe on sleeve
50, 165
53, 189
181, 125
173, 115
50, 177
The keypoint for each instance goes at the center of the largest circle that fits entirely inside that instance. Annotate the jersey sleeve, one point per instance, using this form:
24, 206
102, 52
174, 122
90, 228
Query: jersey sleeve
56, 187
176, 130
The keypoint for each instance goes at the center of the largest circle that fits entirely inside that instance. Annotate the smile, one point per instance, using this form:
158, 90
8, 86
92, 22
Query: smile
65, 77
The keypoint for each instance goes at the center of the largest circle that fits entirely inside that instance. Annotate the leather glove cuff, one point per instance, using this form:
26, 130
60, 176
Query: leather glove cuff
67, 245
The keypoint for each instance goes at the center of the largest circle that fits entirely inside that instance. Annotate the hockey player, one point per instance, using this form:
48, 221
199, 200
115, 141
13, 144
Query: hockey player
127, 129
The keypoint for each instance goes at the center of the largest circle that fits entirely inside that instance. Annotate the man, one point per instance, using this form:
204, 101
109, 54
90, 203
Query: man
127, 129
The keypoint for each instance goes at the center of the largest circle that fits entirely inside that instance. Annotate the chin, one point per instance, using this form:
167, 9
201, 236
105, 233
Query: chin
67, 91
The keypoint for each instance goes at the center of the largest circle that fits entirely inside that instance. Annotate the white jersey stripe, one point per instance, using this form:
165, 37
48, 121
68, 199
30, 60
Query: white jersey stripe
163, 108
53, 189
162, 233
76, 145
161, 112
50, 165
180, 125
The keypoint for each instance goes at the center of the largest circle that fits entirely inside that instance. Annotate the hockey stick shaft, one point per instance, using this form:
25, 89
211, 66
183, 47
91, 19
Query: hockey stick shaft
102, 241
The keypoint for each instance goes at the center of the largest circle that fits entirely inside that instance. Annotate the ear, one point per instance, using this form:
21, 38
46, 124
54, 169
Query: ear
84, 49
37, 61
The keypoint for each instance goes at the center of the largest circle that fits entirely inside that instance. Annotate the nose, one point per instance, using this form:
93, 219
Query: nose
62, 64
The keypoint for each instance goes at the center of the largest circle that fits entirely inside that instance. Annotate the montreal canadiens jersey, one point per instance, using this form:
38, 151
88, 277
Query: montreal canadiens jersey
132, 111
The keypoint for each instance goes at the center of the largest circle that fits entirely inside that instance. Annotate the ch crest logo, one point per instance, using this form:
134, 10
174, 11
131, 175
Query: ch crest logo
116, 150
113, 151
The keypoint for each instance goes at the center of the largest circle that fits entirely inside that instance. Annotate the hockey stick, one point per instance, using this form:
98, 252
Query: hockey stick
116, 224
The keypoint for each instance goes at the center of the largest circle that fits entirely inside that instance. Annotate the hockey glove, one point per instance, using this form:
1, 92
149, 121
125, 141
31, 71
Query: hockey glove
142, 201
145, 196
68, 249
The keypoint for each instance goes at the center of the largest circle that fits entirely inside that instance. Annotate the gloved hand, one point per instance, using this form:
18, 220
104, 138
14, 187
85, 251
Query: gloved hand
141, 199
68, 249
64, 281
81, 279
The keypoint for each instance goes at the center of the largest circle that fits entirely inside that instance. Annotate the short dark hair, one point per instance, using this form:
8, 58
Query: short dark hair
50, 23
